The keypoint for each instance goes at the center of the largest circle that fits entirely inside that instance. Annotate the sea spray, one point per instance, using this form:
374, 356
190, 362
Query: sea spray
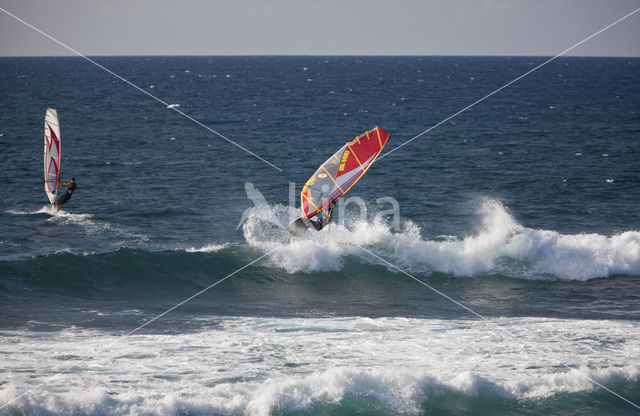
500, 245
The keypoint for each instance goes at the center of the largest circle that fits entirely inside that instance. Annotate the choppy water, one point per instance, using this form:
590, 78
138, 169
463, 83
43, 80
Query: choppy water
523, 209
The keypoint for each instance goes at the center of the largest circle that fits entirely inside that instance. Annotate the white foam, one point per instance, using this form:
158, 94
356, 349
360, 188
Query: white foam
531, 253
253, 365
46, 209
93, 226
323, 251
70, 218
209, 248
87, 224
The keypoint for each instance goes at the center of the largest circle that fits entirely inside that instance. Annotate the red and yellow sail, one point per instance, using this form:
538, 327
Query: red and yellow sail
341, 171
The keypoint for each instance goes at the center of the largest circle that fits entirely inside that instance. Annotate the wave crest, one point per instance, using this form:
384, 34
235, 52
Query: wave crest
500, 246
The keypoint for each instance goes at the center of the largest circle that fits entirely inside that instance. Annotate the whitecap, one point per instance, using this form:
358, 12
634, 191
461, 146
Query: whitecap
244, 364
530, 253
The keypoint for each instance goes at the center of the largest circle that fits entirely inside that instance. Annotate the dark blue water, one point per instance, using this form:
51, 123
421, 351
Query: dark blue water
523, 207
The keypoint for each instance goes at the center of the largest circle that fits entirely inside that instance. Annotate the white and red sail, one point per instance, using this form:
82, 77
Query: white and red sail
52, 153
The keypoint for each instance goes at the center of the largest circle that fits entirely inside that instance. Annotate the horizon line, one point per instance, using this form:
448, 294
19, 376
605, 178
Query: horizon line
322, 55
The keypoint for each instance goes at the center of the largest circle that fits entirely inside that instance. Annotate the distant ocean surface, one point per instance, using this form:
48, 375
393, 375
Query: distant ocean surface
525, 209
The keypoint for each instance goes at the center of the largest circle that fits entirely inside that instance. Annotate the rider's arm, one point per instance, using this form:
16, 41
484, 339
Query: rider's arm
329, 213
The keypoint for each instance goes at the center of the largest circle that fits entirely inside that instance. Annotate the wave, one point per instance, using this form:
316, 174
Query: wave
501, 246
336, 391
332, 366
125, 272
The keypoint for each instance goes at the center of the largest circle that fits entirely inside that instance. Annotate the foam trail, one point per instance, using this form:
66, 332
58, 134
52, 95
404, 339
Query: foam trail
46, 209
50, 210
209, 248
501, 245
86, 223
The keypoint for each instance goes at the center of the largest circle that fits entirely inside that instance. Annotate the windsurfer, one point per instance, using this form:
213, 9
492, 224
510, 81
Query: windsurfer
320, 222
71, 186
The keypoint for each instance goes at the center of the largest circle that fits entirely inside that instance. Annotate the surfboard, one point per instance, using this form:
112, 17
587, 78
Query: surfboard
52, 154
337, 175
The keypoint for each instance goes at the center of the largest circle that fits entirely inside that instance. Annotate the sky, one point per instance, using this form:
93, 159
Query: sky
319, 27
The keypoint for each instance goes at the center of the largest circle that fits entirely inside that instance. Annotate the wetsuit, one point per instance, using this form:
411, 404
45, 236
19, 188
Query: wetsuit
71, 186
321, 222
317, 225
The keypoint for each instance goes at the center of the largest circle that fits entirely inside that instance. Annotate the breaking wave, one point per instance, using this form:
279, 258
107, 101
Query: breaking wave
501, 246
281, 366
336, 391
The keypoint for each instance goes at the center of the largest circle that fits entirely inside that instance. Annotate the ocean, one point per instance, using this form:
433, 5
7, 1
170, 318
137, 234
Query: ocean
490, 266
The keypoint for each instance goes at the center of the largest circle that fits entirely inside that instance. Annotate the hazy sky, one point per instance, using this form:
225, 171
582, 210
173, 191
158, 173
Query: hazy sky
318, 27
